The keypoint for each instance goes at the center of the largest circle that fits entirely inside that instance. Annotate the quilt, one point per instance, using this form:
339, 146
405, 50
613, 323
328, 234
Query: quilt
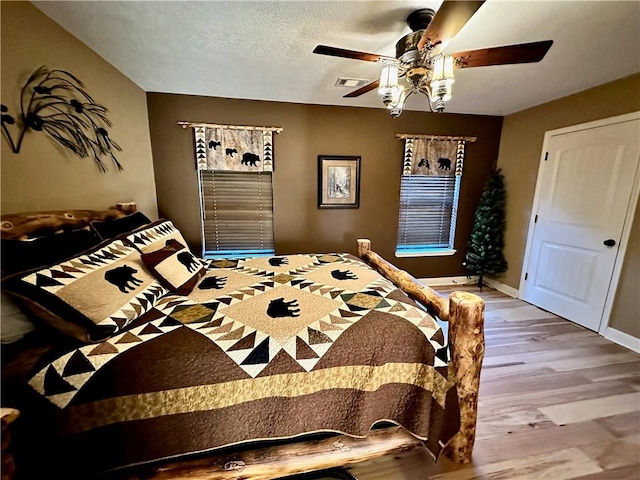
262, 348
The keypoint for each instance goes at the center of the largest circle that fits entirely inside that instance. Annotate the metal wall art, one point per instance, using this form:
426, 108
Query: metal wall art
55, 102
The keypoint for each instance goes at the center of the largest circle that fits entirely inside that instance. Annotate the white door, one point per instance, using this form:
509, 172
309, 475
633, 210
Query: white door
583, 192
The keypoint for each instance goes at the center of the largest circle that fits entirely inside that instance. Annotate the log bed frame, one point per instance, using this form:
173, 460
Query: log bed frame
464, 313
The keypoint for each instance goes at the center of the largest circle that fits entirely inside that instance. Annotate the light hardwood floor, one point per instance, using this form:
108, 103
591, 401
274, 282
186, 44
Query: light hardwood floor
556, 402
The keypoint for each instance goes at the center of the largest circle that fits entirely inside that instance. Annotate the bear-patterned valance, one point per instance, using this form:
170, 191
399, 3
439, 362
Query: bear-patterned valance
233, 148
433, 155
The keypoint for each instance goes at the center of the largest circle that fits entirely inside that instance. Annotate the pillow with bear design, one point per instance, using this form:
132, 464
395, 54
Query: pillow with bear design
101, 290
153, 237
175, 267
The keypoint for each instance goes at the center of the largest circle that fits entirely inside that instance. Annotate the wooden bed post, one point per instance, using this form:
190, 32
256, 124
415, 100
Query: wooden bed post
364, 245
465, 313
7, 416
466, 344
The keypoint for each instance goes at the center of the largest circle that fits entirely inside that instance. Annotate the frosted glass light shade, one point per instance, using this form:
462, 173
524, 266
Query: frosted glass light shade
388, 80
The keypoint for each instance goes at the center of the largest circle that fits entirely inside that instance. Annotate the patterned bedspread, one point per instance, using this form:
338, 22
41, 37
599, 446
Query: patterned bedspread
263, 348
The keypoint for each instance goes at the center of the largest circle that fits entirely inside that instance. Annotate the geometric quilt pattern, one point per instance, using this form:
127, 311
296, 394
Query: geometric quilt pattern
155, 236
288, 309
299, 304
60, 380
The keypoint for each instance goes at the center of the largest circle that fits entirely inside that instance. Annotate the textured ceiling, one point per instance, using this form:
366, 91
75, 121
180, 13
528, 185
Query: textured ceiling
263, 50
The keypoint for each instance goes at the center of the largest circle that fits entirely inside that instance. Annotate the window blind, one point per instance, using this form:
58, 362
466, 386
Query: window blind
428, 210
237, 213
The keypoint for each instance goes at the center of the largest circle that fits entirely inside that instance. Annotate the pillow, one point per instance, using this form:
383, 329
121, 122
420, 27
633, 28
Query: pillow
154, 236
175, 267
23, 255
95, 294
14, 323
114, 227
63, 326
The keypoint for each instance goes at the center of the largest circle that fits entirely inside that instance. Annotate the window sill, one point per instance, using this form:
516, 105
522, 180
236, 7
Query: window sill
436, 252
234, 254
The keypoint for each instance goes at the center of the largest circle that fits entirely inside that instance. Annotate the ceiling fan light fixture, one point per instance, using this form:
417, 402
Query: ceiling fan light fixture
388, 87
396, 106
443, 69
420, 63
448, 67
398, 98
441, 81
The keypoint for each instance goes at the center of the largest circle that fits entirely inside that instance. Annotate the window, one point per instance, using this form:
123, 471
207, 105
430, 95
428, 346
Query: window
428, 209
235, 165
429, 190
237, 209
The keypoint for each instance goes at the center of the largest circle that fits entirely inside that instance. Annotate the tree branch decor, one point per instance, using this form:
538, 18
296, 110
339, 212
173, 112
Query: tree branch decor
55, 102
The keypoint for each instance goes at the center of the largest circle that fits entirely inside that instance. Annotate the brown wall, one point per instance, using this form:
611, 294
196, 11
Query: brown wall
43, 176
309, 131
625, 315
519, 157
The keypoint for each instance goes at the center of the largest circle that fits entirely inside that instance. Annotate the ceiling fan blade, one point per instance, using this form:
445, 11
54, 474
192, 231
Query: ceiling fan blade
509, 54
355, 55
449, 20
362, 90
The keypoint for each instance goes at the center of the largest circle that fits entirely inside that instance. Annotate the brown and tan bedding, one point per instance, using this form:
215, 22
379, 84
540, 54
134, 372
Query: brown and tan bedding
262, 348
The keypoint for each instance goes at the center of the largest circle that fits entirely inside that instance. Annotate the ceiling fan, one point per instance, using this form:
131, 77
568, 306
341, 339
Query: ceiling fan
419, 59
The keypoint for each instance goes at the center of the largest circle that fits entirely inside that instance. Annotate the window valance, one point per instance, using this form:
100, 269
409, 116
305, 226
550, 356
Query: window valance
433, 155
233, 148
429, 191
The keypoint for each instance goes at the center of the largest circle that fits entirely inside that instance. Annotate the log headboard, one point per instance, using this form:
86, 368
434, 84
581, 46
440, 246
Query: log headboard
22, 226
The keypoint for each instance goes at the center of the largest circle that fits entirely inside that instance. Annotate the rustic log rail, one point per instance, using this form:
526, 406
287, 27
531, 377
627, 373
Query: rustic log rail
435, 303
294, 458
465, 313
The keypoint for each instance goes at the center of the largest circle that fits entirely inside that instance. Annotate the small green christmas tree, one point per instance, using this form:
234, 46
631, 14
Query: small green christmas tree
484, 252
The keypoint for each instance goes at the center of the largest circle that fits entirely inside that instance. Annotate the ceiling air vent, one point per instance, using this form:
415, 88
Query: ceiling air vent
351, 82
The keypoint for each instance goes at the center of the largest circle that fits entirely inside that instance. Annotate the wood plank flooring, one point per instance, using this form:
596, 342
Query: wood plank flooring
557, 402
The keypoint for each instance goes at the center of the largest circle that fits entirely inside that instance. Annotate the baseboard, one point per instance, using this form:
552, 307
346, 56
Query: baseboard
473, 280
624, 339
444, 281
501, 287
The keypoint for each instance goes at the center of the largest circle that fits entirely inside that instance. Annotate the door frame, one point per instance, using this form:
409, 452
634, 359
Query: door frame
626, 229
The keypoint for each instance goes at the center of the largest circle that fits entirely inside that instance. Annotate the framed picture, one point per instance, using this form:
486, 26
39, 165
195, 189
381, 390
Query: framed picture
338, 182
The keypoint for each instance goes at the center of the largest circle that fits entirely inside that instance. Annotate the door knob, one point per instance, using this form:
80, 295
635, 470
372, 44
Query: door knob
610, 242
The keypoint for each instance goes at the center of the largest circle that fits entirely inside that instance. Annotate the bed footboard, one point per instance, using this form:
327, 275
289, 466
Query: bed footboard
274, 462
465, 313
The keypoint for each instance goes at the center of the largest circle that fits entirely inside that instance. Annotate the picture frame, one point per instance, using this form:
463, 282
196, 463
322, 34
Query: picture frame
338, 181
